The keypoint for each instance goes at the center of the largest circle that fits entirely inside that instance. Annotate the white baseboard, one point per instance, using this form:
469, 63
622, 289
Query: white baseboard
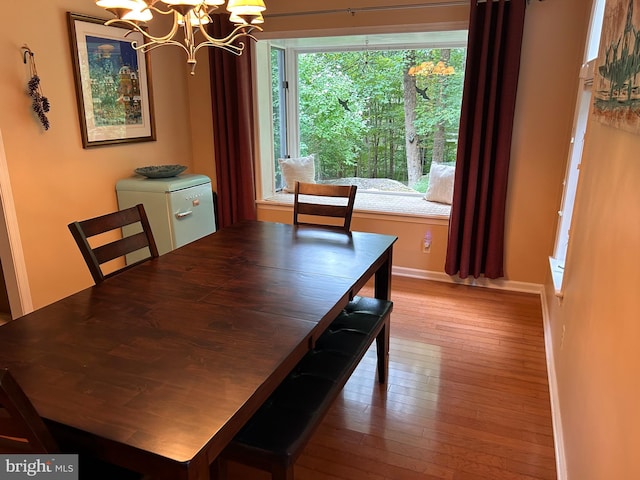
525, 287
558, 436
499, 284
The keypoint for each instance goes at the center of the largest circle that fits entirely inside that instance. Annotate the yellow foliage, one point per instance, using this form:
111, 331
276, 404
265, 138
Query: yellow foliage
426, 69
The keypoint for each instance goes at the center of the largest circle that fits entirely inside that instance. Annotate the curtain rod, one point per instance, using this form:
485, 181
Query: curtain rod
353, 11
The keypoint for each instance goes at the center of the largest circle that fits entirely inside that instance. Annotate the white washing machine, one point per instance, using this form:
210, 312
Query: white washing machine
180, 209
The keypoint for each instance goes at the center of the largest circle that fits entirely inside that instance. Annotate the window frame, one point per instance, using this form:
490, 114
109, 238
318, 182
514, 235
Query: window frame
571, 182
453, 37
281, 55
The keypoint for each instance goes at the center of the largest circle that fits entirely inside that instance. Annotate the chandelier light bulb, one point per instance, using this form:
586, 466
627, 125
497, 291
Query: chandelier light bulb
140, 15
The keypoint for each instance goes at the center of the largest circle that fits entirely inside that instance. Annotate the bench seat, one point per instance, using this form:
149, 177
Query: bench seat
277, 433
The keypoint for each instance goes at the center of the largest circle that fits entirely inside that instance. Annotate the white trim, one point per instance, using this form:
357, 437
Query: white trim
558, 436
11, 254
365, 30
557, 275
498, 284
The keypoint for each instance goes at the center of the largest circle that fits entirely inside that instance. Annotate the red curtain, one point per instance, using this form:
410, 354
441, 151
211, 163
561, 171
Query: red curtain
476, 229
232, 98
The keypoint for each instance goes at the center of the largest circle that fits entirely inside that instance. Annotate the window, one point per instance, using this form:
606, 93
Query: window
380, 108
583, 106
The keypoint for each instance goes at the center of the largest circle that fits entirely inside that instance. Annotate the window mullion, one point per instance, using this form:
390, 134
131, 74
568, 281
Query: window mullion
291, 94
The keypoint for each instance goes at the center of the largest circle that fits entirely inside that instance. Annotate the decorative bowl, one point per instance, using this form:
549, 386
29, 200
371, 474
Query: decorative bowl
160, 171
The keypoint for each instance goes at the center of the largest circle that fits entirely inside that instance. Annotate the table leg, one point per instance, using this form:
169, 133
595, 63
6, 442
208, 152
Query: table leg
382, 290
382, 347
382, 286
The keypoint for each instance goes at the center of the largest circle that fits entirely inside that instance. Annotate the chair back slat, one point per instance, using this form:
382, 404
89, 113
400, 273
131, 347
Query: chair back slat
337, 211
110, 221
121, 247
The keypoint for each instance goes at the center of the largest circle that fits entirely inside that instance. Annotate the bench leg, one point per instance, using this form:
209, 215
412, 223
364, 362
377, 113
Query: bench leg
218, 469
382, 348
279, 472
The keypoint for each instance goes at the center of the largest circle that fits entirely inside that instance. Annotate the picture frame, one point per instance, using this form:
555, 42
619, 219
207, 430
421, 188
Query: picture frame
113, 83
616, 84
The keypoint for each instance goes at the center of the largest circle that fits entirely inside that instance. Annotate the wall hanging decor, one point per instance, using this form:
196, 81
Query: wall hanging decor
113, 83
616, 84
40, 104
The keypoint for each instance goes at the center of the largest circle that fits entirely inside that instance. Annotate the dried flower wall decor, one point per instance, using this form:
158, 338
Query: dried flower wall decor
40, 104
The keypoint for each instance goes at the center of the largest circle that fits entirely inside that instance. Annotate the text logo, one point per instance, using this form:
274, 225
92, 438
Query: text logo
50, 467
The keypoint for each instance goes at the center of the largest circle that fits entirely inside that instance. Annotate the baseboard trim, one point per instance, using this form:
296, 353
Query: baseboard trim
498, 284
558, 437
556, 418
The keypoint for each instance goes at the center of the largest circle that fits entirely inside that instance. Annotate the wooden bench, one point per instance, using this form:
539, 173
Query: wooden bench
277, 433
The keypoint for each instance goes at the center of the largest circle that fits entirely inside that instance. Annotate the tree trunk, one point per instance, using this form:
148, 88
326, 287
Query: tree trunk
437, 154
414, 169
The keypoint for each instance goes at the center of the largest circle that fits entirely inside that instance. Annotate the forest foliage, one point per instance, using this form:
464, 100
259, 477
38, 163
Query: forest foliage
352, 108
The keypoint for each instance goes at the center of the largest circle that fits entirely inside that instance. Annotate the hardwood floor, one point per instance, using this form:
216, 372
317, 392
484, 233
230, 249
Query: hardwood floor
467, 395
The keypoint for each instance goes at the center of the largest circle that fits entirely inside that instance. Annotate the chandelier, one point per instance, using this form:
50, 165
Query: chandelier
190, 16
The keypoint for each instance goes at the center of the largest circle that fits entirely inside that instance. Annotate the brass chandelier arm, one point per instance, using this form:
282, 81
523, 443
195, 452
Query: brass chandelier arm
191, 49
147, 47
235, 49
243, 30
135, 27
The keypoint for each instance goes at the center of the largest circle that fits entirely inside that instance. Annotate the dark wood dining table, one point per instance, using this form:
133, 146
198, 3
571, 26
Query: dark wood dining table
157, 368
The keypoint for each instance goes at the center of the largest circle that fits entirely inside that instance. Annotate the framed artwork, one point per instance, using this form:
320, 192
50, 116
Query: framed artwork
113, 83
616, 83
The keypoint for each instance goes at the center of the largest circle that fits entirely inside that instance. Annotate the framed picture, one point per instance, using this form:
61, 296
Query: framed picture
113, 83
616, 84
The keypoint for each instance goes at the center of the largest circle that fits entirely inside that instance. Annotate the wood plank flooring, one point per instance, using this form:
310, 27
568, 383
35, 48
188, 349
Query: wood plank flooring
467, 396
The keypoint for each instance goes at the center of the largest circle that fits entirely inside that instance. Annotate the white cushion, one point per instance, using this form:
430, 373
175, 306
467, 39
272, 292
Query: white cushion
294, 170
441, 183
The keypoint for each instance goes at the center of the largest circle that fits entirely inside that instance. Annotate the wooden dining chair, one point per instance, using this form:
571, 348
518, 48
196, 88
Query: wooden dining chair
22, 431
319, 204
98, 255
21, 428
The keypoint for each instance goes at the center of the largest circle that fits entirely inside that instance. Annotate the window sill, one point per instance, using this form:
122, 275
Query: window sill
392, 204
557, 275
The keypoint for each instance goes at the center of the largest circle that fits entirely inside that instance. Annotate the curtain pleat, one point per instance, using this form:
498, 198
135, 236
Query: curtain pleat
232, 98
476, 229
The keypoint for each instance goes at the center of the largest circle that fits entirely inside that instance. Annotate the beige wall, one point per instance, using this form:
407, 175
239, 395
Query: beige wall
595, 326
55, 180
